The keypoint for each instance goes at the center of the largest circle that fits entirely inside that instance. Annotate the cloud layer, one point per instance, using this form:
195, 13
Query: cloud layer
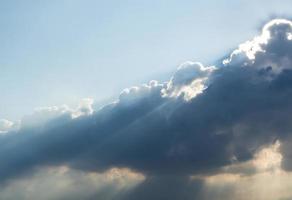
203, 122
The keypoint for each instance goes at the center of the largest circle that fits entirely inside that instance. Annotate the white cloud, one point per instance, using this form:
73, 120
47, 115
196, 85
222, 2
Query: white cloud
270, 50
42, 115
5, 126
189, 80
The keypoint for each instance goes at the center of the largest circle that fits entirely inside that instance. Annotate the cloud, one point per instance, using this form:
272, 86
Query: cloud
266, 186
164, 188
269, 52
64, 183
188, 81
5, 126
203, 121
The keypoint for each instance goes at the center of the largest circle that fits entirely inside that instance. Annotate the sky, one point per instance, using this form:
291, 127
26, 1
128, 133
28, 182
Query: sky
150, 100
58, 52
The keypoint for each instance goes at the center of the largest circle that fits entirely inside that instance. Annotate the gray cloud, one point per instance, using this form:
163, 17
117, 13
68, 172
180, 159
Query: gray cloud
231, 113
165, 188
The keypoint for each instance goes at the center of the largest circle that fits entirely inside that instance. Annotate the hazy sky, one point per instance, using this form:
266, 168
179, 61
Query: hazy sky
60, 51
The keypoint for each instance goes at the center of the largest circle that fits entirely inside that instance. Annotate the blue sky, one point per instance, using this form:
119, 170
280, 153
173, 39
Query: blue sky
60, 51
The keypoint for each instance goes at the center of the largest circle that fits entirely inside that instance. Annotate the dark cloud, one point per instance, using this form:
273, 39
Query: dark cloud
165, 188
202, 120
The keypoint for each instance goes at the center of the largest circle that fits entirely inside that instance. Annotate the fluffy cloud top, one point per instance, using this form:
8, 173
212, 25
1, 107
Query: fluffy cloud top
203, 122
189, 80
5, 125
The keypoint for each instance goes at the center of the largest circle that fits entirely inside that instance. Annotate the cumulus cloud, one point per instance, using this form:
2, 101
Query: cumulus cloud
189, 80
204, 122
270, 52
50, 115
5, 126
